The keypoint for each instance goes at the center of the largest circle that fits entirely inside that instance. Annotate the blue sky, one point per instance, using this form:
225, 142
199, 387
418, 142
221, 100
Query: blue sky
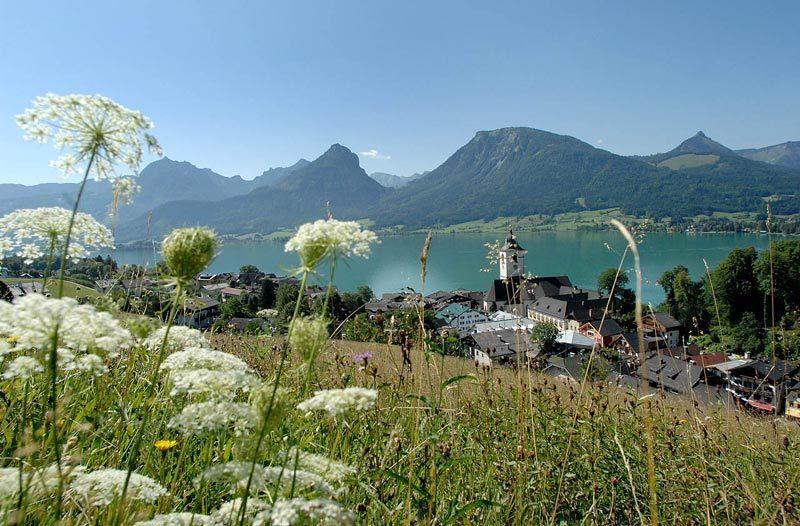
242, 86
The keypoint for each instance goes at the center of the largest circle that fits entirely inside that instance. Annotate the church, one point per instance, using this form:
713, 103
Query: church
517, 293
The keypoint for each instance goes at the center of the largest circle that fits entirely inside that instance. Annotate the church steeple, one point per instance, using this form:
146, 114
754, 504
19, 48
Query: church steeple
512, 257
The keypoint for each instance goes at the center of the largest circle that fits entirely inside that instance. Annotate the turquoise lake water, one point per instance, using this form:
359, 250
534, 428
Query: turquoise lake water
456, 260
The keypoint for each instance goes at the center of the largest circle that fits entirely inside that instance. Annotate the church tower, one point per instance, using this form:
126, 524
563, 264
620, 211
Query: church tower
512, 258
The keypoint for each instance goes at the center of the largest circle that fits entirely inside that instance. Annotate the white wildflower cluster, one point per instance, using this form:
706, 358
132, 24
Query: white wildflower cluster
339, 401
34, 232
288, 512
103, 486
23, 368
314, 241
236, 475
35, 482
202, 358
323, 466
267, 313
33, 320
178, 519
125, 189
308, 335
206, 417
228, 513
213, 383
89, 127
179, 337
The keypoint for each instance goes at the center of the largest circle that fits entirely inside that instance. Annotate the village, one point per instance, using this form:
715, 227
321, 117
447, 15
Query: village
542, 322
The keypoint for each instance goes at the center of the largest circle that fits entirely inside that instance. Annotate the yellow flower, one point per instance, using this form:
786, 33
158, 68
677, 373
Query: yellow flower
164, 445
682, 421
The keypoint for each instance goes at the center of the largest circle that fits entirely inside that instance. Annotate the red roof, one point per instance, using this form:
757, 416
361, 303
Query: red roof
710, 359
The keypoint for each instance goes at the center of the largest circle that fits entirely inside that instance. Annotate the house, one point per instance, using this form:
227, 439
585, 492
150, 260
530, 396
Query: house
242, 325
573, 367
460, 316
759, 385
213, 279
24, 288
504, 320
392, 301
230, 292
603, 332
575, 340
5, 292
198, 313
506, 346
662, 325
669, 373
214, 288
793, 402
568, 311
441, 299
104, 286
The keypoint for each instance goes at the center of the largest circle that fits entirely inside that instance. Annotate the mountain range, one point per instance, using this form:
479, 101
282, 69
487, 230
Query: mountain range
505, 172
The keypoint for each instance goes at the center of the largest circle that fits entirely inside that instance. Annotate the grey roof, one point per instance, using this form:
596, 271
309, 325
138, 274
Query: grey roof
520, 290
573, 366
502, 343
511, 242
607, 327
672, 373
577, 307
665, 320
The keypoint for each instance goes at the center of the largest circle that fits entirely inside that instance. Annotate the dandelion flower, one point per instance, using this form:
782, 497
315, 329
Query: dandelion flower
180, 337
89, 127
187, 251
314, 241
103, 486
165, 445
205, 417
339, 401
32, 233
287, 512
178, 519
23, 367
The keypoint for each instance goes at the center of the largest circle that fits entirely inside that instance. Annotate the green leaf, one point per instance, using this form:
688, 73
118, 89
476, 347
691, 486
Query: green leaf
455, 379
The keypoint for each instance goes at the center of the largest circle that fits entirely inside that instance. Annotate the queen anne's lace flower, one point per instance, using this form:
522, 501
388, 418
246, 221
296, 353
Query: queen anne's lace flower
180, 337
88, 125
23, 367
287, 512
34, 319
321, 465
187, 251
36, 483
228, 513
103, 486
33, 232
314, 241
217, 384
308, 335
205, 417
178, 519
125, 189
237, 473
339, 401
199, 358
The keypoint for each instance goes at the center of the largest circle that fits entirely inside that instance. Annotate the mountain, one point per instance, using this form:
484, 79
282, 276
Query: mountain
524, 171
696, 150
334, 182
273, 175
786, 154
395, 181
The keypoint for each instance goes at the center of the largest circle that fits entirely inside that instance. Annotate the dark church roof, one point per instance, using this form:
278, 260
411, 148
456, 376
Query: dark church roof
519, 290
511, 242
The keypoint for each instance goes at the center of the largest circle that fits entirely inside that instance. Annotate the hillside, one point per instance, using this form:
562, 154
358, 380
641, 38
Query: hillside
394, 181
786, 154
273, 175
698, 144
333, 181
524, 171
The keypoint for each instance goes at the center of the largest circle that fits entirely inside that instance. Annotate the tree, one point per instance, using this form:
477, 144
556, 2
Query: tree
747, 336
285, 300
780, 277
735, 287
234, 308
354, 301
360, 329
249, 269
623, 301
266, 297
545, 334
685, 298
605, 281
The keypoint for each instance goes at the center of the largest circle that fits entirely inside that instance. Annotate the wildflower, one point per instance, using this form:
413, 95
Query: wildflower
37, 482
339, 401
103, 486
206, 417
94, 128
199, 358
180, 337
23, 367
321, 465
34, 319
287, 512
228, 513
187, 251
363, 359
218, 384
308, 335
238, 473
178, 519
314, 241
36, 232
125, 188
165, 445
267, 313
